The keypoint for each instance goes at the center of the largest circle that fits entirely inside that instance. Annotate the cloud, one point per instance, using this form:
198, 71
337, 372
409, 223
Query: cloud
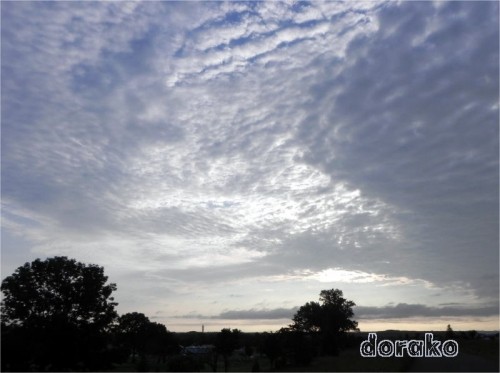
398, 311
251, 314
418, 129
343, 276
255, 37
223, 143
404, 310
270, 314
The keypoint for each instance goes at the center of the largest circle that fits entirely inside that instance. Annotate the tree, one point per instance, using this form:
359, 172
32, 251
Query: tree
62, 309
226, 342
308, 318
449, 332
58, 288
331, 318
137, 335
160, 341
132, 330
297, 346
271, 347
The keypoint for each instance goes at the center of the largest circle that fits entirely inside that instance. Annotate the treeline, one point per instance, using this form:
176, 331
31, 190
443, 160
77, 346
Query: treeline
59, 345
59, 315
262, 351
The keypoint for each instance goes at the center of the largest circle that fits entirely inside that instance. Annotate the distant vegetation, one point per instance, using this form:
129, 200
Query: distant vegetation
59, 315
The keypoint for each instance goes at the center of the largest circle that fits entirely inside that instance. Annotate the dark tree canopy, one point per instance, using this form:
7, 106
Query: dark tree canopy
56, 315
308, 318
332, 315
226, 342
139, 336
58, 288
133, 323
330, 318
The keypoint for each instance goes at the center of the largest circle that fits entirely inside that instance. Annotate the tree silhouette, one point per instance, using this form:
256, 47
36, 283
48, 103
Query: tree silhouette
138, 336
58, 288
132, 330
308, 318
271, 347
160, 341
59, 309
297, 346
449, 332
226, 342
330, 318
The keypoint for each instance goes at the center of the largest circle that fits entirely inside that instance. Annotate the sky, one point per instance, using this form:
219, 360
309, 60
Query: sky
226, 161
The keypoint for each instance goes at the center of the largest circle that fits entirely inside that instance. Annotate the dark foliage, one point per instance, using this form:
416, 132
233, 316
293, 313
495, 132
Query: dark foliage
226, 342
138, 336
288, 347
450, 334
271, 347
131, 332
298, 347
55, 316
330, 318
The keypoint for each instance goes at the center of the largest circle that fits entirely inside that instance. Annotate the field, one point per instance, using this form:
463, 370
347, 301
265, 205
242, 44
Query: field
474, 355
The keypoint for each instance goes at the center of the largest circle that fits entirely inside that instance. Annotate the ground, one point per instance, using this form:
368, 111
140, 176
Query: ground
474, 355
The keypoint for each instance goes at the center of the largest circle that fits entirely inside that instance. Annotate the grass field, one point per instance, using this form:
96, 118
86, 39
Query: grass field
349, 360
481, 355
